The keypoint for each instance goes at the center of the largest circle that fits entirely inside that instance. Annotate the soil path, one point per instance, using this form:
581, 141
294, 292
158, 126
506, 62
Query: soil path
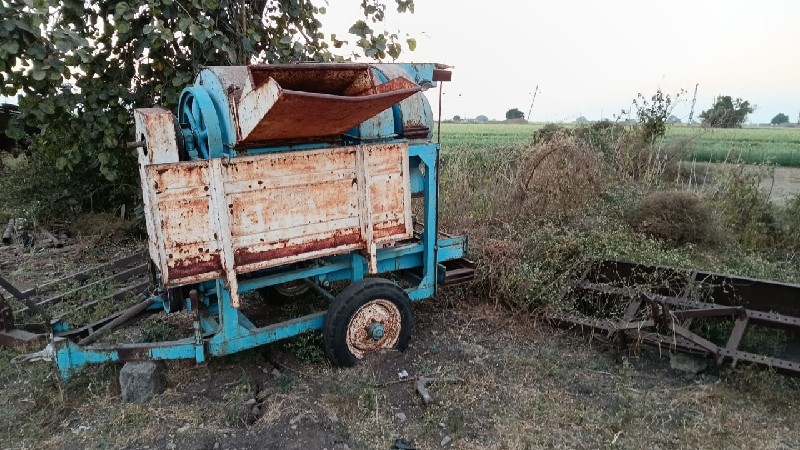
782, 183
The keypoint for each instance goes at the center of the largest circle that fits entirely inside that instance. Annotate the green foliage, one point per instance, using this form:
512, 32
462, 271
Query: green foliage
158, 332
603, 136
790, 222
745, 208
654, 114
82, 67
780, 119
514, 113
549, 132
727, 113
456, 118
307, 347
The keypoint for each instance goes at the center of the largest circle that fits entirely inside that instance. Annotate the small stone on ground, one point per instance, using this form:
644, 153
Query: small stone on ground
692, 364
140, 381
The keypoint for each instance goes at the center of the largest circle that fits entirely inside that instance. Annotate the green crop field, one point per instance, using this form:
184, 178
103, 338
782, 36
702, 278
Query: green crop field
780, 146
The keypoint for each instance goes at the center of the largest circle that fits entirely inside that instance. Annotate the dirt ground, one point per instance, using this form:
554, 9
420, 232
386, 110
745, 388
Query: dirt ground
506, 383
786, 184
782, 183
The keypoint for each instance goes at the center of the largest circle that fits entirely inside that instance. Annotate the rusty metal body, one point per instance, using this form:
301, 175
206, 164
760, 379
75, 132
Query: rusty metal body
275, 174
723, 316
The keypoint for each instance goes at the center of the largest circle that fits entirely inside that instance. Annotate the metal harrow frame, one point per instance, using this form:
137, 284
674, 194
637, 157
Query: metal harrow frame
664, 307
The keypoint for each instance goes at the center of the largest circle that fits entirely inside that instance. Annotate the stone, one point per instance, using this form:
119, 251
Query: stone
446, 441
688, 363
140, 381
250, 402
401, 416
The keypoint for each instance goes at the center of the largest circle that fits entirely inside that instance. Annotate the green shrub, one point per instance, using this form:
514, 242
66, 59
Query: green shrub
745, 208
790, 224
35, 189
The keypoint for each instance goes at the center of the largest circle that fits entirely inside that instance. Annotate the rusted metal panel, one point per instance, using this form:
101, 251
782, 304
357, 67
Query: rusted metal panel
283, 104
220, 217
187, 247
332, 78
156, 128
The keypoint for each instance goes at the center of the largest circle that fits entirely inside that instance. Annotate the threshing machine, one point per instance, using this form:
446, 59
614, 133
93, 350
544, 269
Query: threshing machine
285, 178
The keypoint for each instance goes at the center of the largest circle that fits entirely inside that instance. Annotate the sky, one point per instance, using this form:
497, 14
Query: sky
591, 58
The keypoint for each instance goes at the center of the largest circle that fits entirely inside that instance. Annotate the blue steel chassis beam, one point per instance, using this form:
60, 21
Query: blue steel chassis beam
234, 332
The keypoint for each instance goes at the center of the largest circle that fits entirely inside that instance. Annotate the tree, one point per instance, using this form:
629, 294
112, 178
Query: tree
672, 120
83, 66
456, 118
780, 119
582, 120
514, 113
727, 112
481, 119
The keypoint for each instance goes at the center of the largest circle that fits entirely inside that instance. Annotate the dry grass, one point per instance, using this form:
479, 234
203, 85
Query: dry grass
679, 217
557, 175
105, 227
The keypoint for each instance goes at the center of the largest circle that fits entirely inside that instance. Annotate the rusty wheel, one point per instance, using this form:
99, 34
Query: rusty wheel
369, 315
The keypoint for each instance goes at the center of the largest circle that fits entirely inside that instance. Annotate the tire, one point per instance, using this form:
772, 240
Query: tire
356, 315
284, 292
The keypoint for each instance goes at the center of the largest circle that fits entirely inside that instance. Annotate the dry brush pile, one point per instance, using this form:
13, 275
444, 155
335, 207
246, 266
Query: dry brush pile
535, 212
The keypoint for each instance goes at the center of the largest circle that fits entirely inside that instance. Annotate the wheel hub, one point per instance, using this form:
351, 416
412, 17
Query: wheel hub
376, 330
374, 326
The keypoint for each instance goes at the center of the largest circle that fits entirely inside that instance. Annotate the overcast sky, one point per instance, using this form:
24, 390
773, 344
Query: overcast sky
592, 57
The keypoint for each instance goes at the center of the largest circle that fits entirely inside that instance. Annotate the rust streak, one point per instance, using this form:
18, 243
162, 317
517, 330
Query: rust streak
245, 256
195, 265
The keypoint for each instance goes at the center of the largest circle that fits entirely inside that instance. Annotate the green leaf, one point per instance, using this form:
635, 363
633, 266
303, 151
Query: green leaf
360, 28
121, 8
11, 47
286, 39
412, 44
38, 74
184, 23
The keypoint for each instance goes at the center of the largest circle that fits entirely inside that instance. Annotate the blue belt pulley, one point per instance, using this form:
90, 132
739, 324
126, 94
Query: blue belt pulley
202, 136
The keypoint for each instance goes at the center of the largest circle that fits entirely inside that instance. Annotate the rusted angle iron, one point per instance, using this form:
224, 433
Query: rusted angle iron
136, 258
